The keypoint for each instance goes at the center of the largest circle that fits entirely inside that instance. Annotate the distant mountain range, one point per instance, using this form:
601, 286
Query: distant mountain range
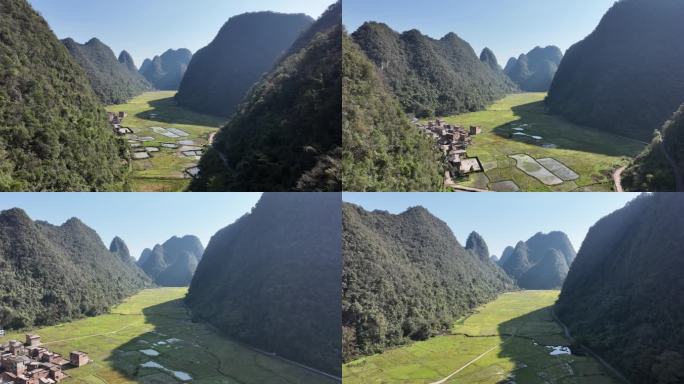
534, 71
541, 262
173, 263
51, 274
166, 72
248, 46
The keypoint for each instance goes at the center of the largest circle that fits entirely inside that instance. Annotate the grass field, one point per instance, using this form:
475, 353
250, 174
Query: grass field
114, 342
503, 342
591, 154
164, 172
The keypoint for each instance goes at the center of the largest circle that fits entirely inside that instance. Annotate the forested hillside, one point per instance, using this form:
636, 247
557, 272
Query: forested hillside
489, 58
381, 149
173, 263
431, 77
534, 71
53, 131
126, 59
406, 277
287, 134
626, 77
165, 72
111, 80
542, 262
248, 46
651, 171
622, 297
51, 274
280, 293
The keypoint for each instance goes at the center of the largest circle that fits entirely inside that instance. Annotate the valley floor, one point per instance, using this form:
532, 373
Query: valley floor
164, 171
505, 341
156, 322
520, 141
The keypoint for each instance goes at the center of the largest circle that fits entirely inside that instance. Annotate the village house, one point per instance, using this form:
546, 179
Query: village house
454, 140
30, 363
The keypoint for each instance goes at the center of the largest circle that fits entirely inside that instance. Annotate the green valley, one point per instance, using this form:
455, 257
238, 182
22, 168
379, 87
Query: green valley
149, 338
524, 148
507, 340
148, 117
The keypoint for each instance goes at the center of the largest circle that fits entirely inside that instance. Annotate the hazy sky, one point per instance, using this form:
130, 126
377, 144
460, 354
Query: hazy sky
140, 219
146, 28
508, 27
503, 219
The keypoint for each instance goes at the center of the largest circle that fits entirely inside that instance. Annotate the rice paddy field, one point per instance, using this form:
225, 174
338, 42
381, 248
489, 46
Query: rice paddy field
167, 139
523, 148
510, 340
150, 339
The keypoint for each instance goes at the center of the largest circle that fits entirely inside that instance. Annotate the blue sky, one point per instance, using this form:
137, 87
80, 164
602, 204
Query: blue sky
508, 27
504, 218
146, 28
141, 219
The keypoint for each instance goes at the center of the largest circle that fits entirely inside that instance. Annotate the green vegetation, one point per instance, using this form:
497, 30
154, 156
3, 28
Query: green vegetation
287, 134
534, 71
126, 59
51, 274
651, 171
165, 72
164, 172
247, 46
173, 263
112, 81
626, 77
272, 278
590, 153
503, 341
114, 342
431, 77
53, 130
406, 277
622, 296
382, 151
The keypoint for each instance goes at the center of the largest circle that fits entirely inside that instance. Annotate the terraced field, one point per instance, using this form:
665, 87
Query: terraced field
154, 118
506, 341
524, 148
150, 339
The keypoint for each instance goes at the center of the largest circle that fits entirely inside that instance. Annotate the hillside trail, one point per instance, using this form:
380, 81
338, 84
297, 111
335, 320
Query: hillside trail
679, 177
617, 179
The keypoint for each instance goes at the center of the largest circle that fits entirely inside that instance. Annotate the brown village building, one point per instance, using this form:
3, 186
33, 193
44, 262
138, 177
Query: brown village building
454, 140
30, 363
116, 119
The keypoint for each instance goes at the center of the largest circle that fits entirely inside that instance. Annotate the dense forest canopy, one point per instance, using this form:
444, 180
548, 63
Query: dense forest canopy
166, 72
51, 274
53, 131
626, 77
431, 77
623, 294
272, 279
287, 134
220, 74
406, 277
382, 150
534, 71
112, 81
173, 263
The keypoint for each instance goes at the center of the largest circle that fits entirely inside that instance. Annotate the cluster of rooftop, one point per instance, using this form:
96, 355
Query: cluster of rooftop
454, 140
116, 119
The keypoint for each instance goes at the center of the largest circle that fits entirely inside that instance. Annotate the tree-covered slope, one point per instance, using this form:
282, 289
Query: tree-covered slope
431, 77
53, 131
220, 74
652, 171
626, 77
166, 72
381, 149
489, 58
272, 279
622, 296
51, 274
173, 263
541, 262
534, 71
406, 277
112, 81
287, 134
126, 59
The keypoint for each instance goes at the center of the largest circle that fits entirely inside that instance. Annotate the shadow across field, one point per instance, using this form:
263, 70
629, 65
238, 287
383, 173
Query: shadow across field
564, 134
168, 111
